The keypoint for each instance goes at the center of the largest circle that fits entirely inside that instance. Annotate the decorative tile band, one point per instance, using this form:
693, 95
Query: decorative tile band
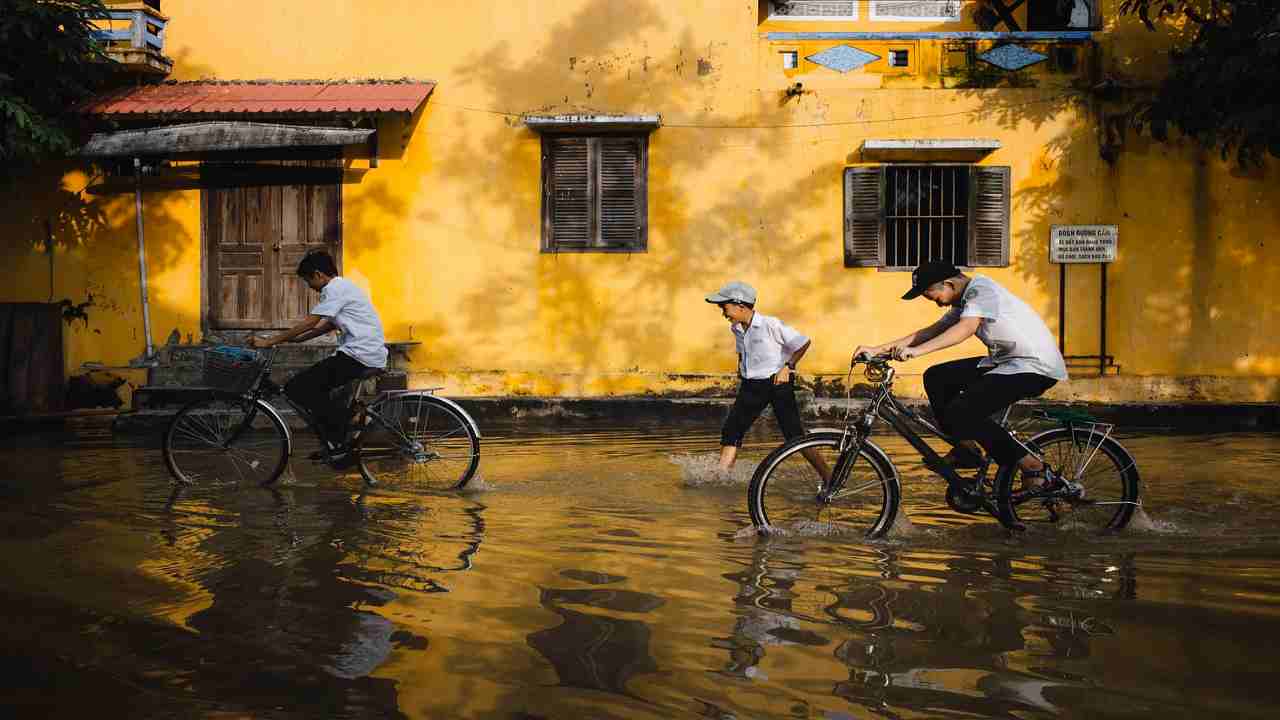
1012, 57
1028, 35
843, 58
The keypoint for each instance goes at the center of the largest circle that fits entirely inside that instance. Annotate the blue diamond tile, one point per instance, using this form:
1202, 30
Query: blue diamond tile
843, 58
1012, 57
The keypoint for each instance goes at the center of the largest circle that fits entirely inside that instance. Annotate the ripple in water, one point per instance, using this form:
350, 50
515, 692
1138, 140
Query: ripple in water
703, 470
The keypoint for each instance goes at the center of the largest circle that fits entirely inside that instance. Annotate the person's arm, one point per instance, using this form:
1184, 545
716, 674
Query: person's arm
964, 329
895, 347
309, 327
789, 369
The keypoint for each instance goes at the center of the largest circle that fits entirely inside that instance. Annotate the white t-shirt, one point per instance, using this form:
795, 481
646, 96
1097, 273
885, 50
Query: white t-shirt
359, 328
1017, 339
765, 346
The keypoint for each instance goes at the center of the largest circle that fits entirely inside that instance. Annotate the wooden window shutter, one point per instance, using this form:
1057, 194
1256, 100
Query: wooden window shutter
621, 194
568, 193
864, 217
989, 217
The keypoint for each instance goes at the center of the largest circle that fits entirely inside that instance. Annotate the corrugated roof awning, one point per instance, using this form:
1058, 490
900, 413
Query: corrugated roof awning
196, 139
210, 98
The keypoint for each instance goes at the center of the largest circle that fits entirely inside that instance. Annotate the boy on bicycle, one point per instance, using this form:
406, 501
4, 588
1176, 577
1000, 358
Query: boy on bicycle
1023, 361
346, 308
768, 352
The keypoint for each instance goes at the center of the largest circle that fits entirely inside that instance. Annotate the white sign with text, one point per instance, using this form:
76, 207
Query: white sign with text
1083, 243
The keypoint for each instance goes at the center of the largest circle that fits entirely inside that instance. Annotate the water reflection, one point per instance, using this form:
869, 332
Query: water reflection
590, 579
594, 650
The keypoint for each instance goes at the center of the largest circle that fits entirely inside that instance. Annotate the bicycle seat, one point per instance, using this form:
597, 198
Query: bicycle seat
372, 373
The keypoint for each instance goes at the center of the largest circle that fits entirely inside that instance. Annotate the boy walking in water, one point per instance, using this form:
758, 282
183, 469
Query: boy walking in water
768, 352
346, 308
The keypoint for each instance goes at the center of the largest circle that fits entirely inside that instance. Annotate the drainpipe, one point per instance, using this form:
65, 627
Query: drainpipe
142, 258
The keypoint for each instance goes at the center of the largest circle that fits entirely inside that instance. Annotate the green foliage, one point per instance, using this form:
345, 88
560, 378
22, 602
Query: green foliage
49, 63
980, 75
1223, 88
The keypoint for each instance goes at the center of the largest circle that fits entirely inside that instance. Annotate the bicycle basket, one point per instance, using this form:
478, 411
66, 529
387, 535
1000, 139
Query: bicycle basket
231, 369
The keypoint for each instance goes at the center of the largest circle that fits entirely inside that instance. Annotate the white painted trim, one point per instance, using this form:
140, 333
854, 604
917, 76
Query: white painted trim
876, 15
986, 144
816, 18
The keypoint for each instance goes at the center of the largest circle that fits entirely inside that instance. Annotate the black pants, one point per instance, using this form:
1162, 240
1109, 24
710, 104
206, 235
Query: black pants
965, 396
312, 388
753, 396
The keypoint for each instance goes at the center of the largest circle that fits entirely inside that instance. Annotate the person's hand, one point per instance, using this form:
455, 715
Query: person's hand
864, 352
257, 342
783, 375
903, 354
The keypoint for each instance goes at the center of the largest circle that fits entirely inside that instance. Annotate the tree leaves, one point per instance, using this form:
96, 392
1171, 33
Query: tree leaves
1223, 85
51, 63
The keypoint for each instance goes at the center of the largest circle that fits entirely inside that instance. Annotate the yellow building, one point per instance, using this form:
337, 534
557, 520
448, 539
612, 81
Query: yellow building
568, 179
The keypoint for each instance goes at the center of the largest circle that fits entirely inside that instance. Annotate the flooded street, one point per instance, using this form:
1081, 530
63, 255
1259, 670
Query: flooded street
604, 573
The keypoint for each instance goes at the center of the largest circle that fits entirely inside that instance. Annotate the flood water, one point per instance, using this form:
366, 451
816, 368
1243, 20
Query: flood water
603, 573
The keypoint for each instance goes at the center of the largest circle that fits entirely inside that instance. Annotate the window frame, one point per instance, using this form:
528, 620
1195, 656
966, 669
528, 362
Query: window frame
547, 242
814, 18
858, 237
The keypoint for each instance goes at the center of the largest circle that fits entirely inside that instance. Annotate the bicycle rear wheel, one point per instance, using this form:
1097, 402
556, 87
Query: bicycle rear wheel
418, 441
784, 494
1102, 476
226, 440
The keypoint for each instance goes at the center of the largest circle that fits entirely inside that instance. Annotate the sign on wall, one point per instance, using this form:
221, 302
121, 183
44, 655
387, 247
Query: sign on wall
1083, 243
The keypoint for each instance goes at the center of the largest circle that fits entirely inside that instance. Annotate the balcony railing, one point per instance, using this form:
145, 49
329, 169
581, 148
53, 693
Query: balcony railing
135, 39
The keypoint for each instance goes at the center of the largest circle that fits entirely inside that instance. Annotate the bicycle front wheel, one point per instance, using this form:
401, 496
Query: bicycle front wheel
787, 491
226, 440
419, 442
1102, 478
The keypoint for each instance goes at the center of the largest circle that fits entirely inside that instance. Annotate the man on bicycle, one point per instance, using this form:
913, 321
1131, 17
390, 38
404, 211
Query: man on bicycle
361, 346
1023, 361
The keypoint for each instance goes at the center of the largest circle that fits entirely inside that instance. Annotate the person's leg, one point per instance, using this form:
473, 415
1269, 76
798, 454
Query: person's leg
943, 383
312, 387
752, 397
787, 413
970, 414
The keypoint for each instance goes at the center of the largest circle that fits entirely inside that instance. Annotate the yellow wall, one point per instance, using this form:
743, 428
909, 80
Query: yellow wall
445, 231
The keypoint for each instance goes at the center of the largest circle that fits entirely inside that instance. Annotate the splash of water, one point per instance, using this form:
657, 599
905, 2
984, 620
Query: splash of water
1142, 522
703, 470
901, 527
477, 485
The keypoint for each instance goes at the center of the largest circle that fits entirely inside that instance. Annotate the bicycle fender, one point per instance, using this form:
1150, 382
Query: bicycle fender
269, 409
465, 415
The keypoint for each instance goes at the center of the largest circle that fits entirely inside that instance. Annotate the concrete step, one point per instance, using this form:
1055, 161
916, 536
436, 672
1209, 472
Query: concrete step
183, 365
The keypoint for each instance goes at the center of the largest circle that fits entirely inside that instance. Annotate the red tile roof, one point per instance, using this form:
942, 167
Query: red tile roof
263, 97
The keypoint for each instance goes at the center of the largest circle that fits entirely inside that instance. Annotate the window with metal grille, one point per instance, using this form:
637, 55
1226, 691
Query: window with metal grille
594, 193
813, 9
897, 216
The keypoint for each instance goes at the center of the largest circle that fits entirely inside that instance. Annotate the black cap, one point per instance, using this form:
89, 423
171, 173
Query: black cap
927, 274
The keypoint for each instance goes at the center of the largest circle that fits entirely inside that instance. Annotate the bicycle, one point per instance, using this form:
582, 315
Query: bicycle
864, 490
412, 437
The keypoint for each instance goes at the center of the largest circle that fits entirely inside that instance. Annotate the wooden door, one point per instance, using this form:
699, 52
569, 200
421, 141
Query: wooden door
32, 376
255, 237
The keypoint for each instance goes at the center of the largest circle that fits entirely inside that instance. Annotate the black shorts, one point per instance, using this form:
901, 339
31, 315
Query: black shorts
753, 396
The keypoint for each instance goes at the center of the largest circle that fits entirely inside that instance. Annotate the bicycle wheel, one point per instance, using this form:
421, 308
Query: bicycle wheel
784, 492
418, 441
226, 440
1102, 475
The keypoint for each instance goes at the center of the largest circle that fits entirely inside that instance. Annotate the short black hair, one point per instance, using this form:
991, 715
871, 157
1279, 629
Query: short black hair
317, 261
747, 305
